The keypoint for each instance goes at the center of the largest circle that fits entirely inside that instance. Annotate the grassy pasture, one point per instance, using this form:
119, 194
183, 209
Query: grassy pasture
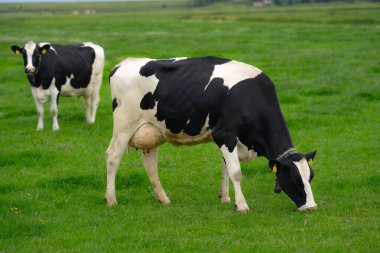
324, 60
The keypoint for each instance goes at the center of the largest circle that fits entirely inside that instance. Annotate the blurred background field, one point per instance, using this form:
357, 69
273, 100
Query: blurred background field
324, 60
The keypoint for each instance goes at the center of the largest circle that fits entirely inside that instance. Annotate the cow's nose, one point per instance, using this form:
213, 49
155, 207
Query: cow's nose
313, 207
30, 69
309, 208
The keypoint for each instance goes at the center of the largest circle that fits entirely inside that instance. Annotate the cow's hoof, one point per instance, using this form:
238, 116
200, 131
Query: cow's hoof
90, 121
242, 208
164, 200
111, 201
55, 128
40, 128
225, 200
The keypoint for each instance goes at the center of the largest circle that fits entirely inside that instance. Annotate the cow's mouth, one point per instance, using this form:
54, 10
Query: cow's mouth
31, 73
308, 208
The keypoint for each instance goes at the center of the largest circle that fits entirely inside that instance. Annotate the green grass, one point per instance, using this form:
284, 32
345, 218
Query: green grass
324, 60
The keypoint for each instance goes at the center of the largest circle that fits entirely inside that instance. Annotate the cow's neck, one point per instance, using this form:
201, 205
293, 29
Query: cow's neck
34, 80
273, 139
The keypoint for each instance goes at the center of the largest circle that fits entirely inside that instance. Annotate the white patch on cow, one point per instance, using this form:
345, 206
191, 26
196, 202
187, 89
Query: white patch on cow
304, 171
40, 94
206, 126
70, 91
179, 58
245, 155
29, 47
233, 72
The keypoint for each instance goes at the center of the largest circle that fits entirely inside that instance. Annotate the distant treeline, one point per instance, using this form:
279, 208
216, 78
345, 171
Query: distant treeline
275, 2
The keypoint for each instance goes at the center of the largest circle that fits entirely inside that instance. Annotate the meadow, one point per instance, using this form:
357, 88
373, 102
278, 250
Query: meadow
324, 60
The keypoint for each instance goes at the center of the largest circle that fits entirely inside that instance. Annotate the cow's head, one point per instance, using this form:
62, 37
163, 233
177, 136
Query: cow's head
294, 175
31, 53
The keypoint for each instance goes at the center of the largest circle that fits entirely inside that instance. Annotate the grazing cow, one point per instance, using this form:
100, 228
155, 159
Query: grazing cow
54, 70
186, 101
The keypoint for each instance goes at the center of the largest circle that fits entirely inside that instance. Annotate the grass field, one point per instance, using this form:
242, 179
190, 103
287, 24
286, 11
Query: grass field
324, 60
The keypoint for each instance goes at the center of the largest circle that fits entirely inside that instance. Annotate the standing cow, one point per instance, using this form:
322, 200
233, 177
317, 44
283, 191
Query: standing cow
186, 101
54, 70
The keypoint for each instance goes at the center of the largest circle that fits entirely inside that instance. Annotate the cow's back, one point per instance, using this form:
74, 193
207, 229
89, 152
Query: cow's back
183, 97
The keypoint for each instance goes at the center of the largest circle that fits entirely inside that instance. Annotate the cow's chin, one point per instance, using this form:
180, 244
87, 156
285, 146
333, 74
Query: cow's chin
31, 73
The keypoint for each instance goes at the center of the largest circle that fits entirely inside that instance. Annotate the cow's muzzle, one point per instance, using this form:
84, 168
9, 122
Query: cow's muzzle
30, 71
308, 208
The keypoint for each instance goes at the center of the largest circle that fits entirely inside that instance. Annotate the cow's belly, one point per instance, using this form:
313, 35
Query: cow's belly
149, 136
69, 91
185, 139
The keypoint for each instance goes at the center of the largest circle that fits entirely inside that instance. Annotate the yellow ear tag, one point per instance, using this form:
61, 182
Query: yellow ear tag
43, 51
274, 169
17, 52
310, 162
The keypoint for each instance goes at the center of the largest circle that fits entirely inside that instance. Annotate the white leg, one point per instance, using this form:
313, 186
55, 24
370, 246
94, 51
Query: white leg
149, 159
87, 101
40, 112
114, 154
95, 103
54, 108
234, 171
224, 190
95, 95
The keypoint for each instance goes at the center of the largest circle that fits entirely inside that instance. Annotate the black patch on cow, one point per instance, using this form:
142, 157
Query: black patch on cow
114, 104
32, 80
182, 101
147, 102
249, 111
113, 71
66, 61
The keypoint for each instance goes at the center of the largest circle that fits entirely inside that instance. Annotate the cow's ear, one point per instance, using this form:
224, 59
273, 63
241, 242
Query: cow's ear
310, 157
16, 49
44, 49
273, 165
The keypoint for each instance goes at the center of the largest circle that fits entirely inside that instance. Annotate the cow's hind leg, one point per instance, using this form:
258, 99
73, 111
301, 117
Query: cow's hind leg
149, 159
224, 190
115, 152
54, 108
95, 98
87, 102
234, 171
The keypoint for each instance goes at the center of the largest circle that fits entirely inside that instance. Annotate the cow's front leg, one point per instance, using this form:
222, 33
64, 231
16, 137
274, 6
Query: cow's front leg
225, 189
54, 108
40, 113
149, 159
234, 171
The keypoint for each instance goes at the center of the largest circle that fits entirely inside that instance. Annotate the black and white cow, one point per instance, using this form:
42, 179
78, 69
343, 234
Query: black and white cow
54, 70
186, 101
